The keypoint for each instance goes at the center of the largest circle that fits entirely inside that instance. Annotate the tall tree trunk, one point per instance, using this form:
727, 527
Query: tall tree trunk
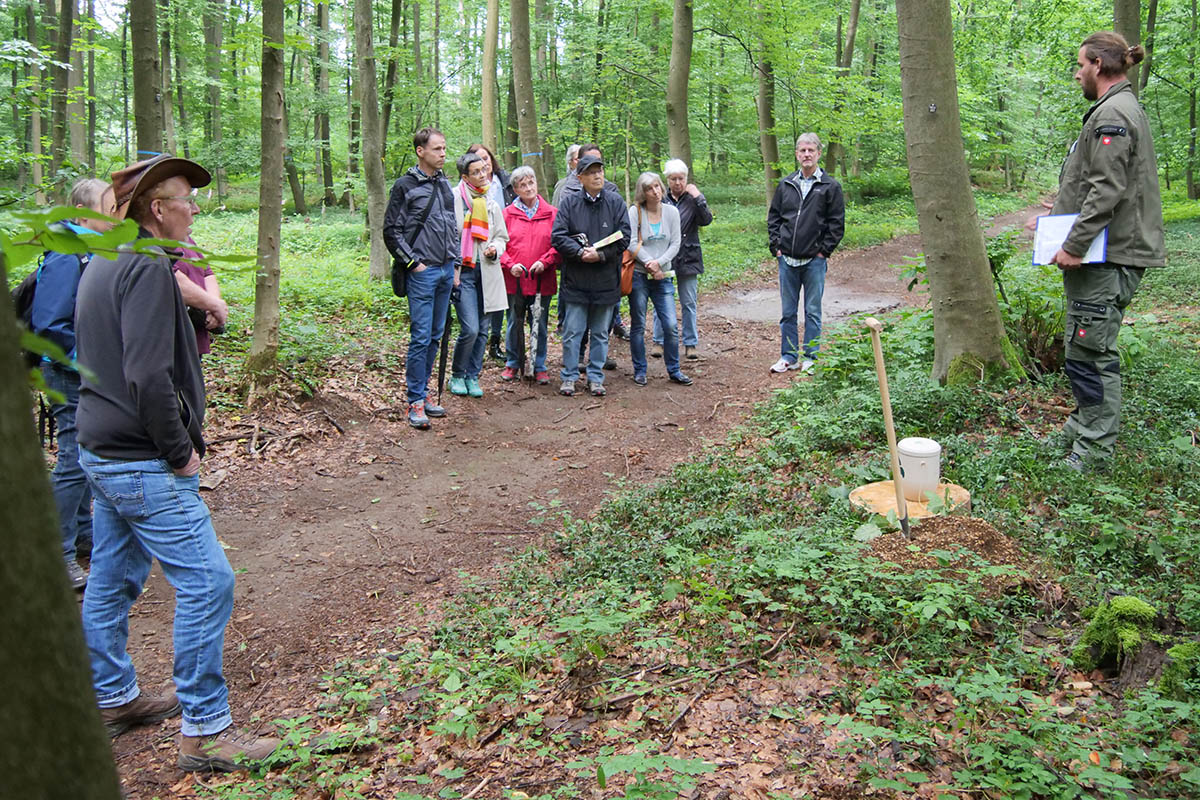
299, 205
595, 137
679, 137
436, 77
522, 75
58, 102
180, 105
352, 139
372, 149
510, 141
147, 79
768, 142
543, 13
77, 101
491, 91
1127, 21
321, 123
835, 151
165, 62
34, 145
214, 27
969, 338
54, 743
418, 73
264, 345
91, 90
1193, 191
1151, 22
125, 80
389, 80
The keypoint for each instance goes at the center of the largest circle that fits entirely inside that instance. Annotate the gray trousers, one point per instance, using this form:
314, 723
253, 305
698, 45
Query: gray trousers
1096, 295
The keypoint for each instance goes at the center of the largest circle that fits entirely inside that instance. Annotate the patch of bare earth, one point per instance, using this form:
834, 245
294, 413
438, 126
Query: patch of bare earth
347, 527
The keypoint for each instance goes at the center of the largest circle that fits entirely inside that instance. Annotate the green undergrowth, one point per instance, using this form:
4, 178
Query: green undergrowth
948, 677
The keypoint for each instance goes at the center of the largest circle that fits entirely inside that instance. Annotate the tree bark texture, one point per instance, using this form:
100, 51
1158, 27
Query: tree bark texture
180, 105
1146, 66
265, 342
322, 118
679, 137
543, 13
491, 91
76, 105
35, 112
147, 78
299, 204
522, 73
1127, 21
969, 338
54, 745
372, 149
1193, 191
389, 80
214, 22
768, 142
510, 140
169, 138
91, 91
62, 81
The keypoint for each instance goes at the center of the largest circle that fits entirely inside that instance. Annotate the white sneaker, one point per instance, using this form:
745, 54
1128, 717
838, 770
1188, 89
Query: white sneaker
806, 366
782, 365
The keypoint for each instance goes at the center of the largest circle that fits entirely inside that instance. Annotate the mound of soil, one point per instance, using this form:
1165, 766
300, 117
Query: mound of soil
948, 534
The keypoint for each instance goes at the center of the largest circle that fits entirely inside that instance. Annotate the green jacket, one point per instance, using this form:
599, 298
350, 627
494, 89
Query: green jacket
1110, 178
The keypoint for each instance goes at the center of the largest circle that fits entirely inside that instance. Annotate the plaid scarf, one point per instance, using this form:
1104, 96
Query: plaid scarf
475, 221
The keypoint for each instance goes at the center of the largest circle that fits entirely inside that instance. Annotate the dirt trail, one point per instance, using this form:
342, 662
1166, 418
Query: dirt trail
351, 538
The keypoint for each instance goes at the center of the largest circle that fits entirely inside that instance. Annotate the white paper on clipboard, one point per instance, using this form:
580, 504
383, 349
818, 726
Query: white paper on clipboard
1052, 231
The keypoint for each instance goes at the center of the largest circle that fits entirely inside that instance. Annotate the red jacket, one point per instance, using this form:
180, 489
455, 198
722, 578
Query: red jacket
529, 241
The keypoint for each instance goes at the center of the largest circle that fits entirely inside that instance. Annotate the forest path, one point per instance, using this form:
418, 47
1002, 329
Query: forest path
346, 539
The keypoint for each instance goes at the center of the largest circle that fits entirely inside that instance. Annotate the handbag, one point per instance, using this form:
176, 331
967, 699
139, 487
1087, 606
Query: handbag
629, 260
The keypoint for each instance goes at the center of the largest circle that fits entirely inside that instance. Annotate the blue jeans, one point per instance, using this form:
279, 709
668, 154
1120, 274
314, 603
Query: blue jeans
662, 293
145, 511
472, 326
496, 324
688, 287
72, 496
811, 279
579, 318
428, 301
518, 307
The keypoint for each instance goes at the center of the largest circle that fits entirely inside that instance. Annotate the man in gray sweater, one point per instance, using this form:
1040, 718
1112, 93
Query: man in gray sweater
141, 408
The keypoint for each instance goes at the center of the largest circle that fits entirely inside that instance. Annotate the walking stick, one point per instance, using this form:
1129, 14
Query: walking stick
901, 506
535, 322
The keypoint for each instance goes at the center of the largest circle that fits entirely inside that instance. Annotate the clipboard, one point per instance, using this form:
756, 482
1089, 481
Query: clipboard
1053, 229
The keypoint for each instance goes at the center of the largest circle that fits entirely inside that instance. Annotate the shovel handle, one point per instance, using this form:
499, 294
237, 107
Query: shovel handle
901, 506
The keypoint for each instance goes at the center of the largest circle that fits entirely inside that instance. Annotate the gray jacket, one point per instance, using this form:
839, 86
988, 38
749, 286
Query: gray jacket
437, 242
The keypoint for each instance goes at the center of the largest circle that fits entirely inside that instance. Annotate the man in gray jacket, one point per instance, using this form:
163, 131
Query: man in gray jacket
141, 408
1110, 179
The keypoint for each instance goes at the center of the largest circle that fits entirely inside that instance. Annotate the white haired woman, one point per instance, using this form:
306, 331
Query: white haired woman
529, 263
656, 240
689, 263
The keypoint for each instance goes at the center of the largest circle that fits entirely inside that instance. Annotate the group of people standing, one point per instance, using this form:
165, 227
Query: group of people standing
492, 244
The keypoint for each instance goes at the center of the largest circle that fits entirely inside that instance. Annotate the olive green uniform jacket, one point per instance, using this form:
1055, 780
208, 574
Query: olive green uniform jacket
1110, 178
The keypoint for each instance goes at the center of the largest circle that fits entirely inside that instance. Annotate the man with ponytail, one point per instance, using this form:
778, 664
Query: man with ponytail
1110, 179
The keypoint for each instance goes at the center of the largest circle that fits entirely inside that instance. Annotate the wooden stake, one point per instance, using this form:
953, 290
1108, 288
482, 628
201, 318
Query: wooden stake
901, 506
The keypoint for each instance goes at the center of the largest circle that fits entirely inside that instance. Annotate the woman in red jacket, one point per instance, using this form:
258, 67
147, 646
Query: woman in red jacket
529, 265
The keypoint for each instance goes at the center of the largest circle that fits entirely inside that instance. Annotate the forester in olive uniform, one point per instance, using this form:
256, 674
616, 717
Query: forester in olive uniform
1110, 179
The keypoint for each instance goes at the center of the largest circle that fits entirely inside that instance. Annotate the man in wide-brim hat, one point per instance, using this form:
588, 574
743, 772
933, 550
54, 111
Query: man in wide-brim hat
141, 408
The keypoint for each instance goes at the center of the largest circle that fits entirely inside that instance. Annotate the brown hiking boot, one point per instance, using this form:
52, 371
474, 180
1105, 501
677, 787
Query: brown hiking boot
229, 750
142, 710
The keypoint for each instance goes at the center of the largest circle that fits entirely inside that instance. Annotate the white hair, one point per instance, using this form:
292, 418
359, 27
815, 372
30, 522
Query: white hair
572, 153
521, 173
675, 166
811, 138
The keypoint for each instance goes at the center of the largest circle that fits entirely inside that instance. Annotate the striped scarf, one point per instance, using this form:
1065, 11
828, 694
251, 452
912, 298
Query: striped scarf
475, 221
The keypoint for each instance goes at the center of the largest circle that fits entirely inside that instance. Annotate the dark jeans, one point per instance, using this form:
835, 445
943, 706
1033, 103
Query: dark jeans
72, 495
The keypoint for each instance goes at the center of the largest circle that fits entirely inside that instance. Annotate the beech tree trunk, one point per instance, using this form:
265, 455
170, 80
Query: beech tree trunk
491, 91
58, 102
389, 80
169, 138
835, 151
214, 21
264, 346
1127, 21
76, 105
322, 117
54, 745
91, 91
35, 112
543, 12
679, 137
522, 73
509, 140
180, 105
1151, 22
372, 150
1193, 190
299, 204
768, 142
147, 78
969, 338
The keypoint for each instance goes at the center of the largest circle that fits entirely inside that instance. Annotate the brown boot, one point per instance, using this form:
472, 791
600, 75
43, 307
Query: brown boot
142, 710
229, 750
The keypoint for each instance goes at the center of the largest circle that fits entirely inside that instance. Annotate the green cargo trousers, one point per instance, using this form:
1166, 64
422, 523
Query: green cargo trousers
1096, 296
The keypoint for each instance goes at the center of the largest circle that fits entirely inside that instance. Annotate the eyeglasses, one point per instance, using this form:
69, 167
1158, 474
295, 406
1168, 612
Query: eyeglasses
191, 197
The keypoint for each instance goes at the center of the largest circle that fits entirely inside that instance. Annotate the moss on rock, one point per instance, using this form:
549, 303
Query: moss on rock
1184, 666
1116, 631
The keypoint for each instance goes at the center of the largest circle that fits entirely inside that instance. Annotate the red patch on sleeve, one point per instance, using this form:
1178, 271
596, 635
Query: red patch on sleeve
1106, 140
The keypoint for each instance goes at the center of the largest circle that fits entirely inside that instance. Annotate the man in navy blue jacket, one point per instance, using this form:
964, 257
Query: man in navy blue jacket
53, 318
804, 226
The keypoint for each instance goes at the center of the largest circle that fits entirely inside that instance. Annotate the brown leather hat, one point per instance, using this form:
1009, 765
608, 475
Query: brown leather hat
136, 179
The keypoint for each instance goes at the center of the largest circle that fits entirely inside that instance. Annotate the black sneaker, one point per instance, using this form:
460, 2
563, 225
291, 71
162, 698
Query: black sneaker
76, 575
621, 332
640, 380
610, 364
681, 379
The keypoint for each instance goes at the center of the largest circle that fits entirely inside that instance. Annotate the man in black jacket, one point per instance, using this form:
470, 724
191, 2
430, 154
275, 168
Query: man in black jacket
141, 407
591, 275
804, 226
421, 233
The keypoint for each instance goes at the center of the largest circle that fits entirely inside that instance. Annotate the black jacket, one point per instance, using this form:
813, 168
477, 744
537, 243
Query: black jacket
803, 227
142, 394
693, 215
582, 217
438, 240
